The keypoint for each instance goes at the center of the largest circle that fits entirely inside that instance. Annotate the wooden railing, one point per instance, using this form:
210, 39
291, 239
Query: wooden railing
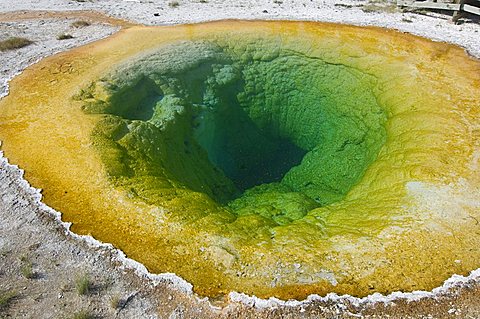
458, 6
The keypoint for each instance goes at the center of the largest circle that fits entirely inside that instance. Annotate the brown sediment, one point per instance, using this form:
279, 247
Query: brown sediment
93, 16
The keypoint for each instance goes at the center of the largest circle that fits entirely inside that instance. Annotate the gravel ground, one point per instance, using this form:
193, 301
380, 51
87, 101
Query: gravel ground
45, 268
42, 264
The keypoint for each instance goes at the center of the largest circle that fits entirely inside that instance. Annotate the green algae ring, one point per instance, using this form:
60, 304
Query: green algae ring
270, 158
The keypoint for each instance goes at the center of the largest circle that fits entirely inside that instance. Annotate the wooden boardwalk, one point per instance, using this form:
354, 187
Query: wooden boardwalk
458, 7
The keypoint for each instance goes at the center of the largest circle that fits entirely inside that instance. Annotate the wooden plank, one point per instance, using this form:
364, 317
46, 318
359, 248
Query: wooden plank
471, 9
457, 14
458, 7
414, 2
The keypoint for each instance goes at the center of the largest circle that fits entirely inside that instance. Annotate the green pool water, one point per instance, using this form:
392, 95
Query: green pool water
271, 158
260, 130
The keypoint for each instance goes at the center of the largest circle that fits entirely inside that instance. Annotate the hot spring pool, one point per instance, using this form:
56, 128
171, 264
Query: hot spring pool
270, 158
